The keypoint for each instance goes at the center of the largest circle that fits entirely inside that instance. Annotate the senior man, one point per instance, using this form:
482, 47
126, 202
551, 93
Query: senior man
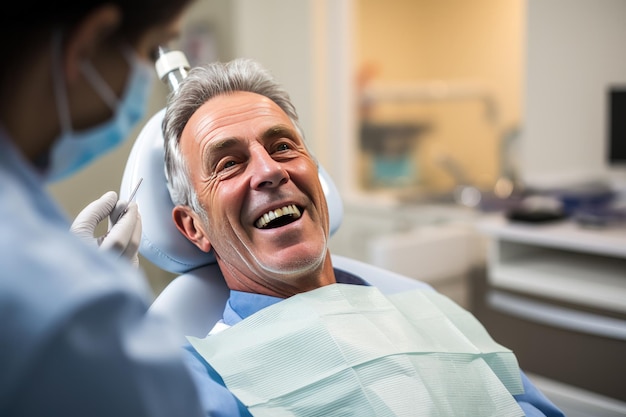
299, 337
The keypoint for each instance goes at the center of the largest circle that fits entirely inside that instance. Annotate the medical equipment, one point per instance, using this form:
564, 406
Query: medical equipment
171, 67
130, 199
119, 216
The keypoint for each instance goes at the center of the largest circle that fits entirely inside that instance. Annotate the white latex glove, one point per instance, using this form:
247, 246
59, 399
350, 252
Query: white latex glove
123, 236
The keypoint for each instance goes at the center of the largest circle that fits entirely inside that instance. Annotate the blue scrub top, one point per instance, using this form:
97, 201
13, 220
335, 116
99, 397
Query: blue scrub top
75, 339
219, 401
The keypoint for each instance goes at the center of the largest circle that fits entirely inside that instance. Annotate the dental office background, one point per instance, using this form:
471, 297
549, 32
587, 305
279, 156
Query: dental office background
423, 112
474, 91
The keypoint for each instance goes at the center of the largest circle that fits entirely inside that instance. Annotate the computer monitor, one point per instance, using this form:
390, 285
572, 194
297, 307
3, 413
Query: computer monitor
617, 126
616, 136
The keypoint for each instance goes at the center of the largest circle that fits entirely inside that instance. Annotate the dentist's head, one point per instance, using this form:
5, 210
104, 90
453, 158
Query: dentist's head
76, 76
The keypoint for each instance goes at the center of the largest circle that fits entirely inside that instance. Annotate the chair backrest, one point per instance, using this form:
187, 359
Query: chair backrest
194, 301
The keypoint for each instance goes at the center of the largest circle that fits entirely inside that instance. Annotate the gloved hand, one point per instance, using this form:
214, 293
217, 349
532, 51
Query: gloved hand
123, 236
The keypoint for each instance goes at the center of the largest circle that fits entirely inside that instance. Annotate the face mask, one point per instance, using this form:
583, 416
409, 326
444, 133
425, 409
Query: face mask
74, 150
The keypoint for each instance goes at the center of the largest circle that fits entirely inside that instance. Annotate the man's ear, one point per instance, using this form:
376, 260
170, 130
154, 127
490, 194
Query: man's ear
85, 38
188, 223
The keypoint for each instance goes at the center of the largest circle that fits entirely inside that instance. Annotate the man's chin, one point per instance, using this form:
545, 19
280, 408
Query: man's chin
293, 265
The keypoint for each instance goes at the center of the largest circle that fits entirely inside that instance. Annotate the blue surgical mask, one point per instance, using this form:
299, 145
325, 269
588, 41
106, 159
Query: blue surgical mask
74, 150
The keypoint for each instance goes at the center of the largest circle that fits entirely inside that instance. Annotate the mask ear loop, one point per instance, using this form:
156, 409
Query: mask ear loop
98, 83
60, 90
130, 55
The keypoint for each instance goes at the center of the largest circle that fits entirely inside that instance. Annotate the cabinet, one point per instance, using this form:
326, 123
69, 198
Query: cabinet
561, 261
556, 294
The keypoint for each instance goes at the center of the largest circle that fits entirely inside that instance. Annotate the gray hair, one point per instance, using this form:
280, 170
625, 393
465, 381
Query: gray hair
202, 84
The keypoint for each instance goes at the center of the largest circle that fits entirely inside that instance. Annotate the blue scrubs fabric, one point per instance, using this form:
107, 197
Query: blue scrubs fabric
221, 402
75, 340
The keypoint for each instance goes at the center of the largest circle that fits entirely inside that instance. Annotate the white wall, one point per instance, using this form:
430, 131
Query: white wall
574, 51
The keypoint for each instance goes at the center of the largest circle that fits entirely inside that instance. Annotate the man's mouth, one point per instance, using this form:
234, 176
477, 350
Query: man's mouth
278, 217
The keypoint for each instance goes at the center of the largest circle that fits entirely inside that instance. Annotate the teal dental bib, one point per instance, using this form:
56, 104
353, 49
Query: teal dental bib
349, 350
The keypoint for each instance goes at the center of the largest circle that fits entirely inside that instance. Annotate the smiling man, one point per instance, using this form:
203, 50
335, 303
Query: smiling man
299, 337
266, 215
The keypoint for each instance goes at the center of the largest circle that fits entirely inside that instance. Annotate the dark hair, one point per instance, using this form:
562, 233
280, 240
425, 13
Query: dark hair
27, 26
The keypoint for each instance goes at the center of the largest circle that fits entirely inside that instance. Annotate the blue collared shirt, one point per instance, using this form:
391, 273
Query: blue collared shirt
241, 305
219, 401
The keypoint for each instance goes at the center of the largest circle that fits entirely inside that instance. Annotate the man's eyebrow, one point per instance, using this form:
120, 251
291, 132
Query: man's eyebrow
223, 143
279, 131
219, 145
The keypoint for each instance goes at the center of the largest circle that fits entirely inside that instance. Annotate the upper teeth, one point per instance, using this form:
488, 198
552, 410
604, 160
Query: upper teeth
274, 214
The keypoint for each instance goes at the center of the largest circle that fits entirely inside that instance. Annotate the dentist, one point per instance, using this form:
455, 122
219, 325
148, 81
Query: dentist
75, 340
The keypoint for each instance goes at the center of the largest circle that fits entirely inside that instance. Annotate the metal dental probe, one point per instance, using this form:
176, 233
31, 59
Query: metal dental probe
130, 199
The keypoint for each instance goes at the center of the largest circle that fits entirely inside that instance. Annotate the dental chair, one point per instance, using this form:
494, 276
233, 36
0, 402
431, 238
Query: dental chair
194, 301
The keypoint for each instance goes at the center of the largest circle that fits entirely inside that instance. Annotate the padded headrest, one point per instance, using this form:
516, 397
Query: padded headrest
161, 242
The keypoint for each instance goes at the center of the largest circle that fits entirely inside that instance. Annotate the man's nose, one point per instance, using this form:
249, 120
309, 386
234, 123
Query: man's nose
266, 171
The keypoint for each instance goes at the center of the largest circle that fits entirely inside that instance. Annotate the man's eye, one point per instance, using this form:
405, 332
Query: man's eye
283, 147
225, 165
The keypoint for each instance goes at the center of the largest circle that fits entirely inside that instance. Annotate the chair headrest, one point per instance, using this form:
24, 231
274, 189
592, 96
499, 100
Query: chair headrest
161, 242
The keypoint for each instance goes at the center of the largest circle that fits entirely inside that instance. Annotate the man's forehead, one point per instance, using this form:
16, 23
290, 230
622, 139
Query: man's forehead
239, 115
